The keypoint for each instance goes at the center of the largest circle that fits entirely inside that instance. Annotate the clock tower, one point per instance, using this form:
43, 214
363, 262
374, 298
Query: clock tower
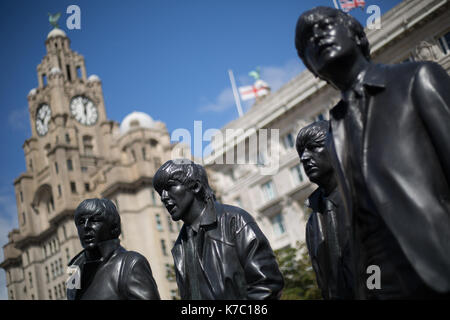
75, 153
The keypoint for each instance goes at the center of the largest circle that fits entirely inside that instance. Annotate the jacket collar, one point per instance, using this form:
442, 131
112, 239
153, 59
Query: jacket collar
314, 199
207, 216
375, 77
374, 80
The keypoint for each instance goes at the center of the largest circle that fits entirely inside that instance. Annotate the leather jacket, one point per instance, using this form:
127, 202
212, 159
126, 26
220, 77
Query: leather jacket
235, 258
118, 275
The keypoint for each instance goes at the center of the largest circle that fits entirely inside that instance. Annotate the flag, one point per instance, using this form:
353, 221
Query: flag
260, 88
347, 5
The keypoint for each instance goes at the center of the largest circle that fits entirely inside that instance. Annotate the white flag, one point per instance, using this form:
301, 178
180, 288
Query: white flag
260, 88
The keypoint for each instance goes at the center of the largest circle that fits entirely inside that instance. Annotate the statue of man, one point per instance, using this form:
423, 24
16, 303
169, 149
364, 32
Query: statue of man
390, 149
220, 252
327, 232
107, 270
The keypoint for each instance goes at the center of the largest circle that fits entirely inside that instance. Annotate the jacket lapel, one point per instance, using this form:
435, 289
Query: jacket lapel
178, 254
338, 151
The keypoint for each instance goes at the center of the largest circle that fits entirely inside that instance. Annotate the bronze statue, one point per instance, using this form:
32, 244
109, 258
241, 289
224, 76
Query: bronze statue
327, 231
390, 149
220, 252
107, 270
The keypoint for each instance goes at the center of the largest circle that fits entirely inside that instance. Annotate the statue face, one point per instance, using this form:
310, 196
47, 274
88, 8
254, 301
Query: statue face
329, 41
178, 199
93, 229
316, 162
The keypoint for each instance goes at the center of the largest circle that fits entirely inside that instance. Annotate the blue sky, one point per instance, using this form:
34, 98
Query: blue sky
168, 58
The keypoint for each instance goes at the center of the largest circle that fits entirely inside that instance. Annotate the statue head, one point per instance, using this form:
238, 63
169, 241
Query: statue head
97, 220
310, 145
182, 183
325, 36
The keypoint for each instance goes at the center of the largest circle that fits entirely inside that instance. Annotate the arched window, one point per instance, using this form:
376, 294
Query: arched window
88, 146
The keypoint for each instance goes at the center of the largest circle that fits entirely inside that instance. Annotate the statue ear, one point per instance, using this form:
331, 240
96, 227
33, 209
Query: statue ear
197, 187
115, 232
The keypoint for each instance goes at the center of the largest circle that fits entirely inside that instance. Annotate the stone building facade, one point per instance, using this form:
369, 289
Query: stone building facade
411, 31
75, 153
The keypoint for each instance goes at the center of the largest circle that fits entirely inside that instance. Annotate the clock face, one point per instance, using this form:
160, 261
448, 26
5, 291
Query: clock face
43, 116
84, 110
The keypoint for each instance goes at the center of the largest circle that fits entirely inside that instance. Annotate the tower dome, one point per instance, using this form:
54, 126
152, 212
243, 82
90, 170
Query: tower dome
56, 32
134, 120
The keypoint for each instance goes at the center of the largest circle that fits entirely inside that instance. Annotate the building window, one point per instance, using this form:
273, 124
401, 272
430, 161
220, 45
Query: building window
11, 294
59, 190
278, 225
288, 141
157, 161
144, 156
297, 174
158, 223
268, 190
61, 270
21, 196
30, 276
169, 222
55, 290
52, 203
444, 42
319, 117
153, 197
169, 272
73, 187
57, 272
44, 79
30, 164
67, 138
86, 187
163, 247
53, 270
69, 165
67, 255
47, 275
24, 220
60, 290
78, 72
88, 146
83, 169
56, 168
50, 294
69, 77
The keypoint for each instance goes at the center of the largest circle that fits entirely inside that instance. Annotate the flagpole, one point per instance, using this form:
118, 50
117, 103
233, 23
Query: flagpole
335, 4
235, 93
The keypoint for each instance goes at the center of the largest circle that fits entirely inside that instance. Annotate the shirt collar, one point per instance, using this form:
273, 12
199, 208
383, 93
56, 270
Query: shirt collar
206, 217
